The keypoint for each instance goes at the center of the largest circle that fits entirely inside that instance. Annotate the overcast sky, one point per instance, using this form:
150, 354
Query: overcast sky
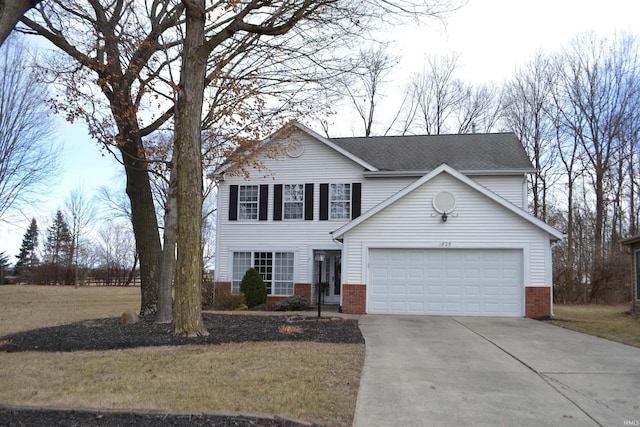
491, 37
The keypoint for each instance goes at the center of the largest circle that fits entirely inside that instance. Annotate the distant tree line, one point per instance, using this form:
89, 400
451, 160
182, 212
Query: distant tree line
58, 260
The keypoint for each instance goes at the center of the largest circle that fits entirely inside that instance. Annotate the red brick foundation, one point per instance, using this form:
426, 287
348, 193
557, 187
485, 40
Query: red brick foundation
538, 302
354, 299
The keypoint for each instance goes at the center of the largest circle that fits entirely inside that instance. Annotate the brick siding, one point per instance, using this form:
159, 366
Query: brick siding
354, 299
538, 302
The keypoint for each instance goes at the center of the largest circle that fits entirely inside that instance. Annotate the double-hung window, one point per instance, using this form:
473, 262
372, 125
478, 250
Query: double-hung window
248, 202
276, 269
340, 201
293, 201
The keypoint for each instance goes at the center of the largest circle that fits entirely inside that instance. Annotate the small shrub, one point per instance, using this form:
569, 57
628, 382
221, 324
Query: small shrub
294, 303
232, 301
253, 288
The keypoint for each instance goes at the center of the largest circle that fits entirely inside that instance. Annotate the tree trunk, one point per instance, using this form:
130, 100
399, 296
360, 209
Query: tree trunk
188, 152
168, 265
10, 13
143, 219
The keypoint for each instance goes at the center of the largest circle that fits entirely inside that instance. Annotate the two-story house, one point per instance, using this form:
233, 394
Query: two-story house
431, 225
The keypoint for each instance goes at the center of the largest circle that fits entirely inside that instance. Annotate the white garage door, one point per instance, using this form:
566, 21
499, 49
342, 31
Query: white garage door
458, 282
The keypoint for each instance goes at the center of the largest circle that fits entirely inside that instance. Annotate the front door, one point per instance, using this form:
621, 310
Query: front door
334, 271
329, 273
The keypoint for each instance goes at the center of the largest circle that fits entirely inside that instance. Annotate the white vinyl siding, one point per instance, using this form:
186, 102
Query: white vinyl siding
512, 188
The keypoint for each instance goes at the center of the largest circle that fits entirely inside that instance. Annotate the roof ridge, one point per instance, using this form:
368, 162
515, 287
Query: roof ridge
423, 135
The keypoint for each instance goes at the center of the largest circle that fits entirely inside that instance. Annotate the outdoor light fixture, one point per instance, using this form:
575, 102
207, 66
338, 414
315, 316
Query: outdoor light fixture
444, 217
319, 256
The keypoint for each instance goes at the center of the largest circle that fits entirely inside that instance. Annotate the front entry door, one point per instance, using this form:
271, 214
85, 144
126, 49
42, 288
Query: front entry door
331, 275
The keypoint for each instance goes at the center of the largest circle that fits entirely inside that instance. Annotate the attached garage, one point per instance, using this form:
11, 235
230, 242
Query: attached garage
456, 282
476, 255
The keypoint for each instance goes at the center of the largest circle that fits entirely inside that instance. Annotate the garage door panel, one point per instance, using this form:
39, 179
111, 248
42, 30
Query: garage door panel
453, 290
446, 282
491, 290
415, 290
472, 291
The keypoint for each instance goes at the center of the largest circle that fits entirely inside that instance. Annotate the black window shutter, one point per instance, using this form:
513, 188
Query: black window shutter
356, 197
264, 197
233, 203
308, 202
324, 202
277, 202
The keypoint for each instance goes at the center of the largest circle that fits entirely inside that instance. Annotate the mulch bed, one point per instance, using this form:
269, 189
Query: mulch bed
112, 334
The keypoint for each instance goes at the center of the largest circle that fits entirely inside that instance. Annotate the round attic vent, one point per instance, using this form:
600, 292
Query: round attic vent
295, 148
444, 202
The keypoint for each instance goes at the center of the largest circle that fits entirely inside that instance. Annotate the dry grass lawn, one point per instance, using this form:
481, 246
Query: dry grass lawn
308, 381
606, 321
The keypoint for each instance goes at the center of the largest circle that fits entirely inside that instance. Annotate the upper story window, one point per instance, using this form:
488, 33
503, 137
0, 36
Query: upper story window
293, 199
248, 196
340, 201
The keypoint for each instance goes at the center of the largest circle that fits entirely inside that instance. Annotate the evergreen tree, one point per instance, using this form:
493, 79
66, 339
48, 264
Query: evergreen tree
4, 264
27, 258
58, 249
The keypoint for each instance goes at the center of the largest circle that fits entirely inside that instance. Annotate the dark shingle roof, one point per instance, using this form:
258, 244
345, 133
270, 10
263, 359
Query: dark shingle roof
465, 152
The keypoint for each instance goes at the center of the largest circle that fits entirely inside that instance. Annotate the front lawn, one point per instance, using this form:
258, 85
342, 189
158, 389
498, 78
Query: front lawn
311, 381
612, 322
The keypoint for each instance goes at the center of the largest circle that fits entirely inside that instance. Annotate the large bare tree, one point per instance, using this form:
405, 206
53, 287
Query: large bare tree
28, 152
527, 111
599, 93
115, 53
364, 86
438, 102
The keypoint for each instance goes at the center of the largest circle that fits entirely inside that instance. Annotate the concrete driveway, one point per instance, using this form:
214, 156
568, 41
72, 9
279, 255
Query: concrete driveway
432, 371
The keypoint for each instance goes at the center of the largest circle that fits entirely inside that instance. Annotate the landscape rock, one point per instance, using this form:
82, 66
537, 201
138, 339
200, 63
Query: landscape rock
129, 317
